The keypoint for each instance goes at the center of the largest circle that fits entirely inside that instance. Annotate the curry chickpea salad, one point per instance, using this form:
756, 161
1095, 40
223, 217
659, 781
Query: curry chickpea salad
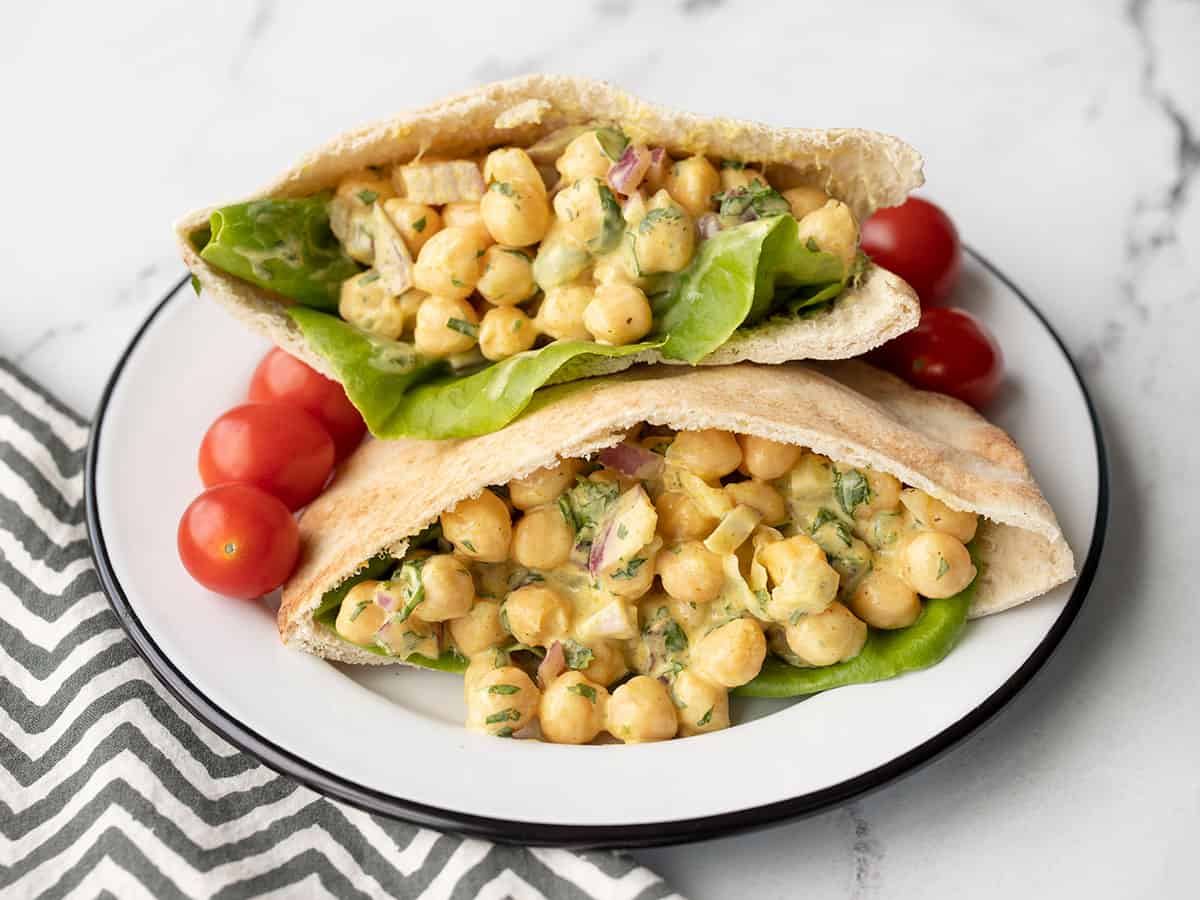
442, 288
630, 592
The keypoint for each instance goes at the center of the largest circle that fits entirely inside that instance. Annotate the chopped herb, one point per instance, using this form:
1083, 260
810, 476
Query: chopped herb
521, 577
505, 715
503, 689
763, 598
796, 616
419, 225
196, 285
755, 201
732, 164
369, 278
462, 326
470, 547
664, 214
506, 731
362, 604
674, 637
578, 656
943, 566
456, 282
411, 587
630, 569
564, 506
851, 489
583, 690
368, 197
622, 531
822, 517
811, 244
589, 501
504, 619
479, 253
612, 142
503, 187
705, 719
517, 323
513, 251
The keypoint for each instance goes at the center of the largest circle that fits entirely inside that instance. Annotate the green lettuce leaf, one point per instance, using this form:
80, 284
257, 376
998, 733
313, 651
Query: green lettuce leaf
285, 246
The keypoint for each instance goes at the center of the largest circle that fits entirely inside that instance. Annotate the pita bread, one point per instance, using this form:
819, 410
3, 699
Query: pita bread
865, 169
849, 411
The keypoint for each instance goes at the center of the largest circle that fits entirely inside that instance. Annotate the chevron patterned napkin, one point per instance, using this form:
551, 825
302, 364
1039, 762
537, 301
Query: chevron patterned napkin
108, 787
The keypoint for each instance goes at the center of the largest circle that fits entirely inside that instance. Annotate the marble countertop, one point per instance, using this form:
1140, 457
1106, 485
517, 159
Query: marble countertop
1063, 138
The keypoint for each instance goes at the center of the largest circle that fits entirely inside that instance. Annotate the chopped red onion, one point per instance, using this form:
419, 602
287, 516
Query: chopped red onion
708, 225
384, 599
656, 173
596, 556
632, 460
626, 173
553, 665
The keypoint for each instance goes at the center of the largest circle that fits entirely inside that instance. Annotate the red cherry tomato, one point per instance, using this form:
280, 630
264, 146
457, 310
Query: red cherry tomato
280, 449
918, 242
281, 378
950, 351
238, 541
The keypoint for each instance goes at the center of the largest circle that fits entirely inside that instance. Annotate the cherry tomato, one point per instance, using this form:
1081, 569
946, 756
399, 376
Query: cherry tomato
949, 351
238, 541
281, 449
281, 378
918, 242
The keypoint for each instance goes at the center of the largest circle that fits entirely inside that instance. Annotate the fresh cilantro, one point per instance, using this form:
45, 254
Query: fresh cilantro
516, 325
811, 244
503, 689
411, 588
822, 517
564, 506
705, 719
851, 489
196, 285
419, 225
664, 214
462, 326
505, 715
583, 690
370, 278
457, 283
674, 637
589, 501
755, 201
504, 619
503, 187
630, 570
763, 598
506, 731
358, 609
513, 251
612, 142
943, 567
732, 164
470, 547
578, 656
367, 197
622, 531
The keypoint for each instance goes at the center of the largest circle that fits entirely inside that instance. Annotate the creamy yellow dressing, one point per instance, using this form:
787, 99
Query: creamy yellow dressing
668, 588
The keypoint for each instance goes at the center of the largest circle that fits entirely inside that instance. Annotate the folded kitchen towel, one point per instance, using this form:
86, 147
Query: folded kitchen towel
109, 787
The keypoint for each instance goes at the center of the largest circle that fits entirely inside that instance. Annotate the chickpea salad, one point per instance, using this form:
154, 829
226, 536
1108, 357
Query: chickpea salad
629, 593
445, 292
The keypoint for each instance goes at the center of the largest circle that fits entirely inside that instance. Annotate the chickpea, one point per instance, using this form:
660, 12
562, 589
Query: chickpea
608, 662
445, 326
936, 564
412, 635
641, 710
350, 213
781, 558
805, 582
708, 453
537, 615
479, 629
690, 616
479, 528
732, 654
562, 310
884, 601
702, 705
804, 200
515, 213
929, 512
466, 214
542, 539
366, 302
691, 572
681, 519
512, 164
766, 459
665, 239
618, 314
416, 222
573, 709
505, 331
583, 158
811, 478
359, 616
885, 494
760, 496
832, 636
449, 588
503, 701
733, 178
448, 264
543, 485
692, 182
481, 663
833, 229
642, 580
507, 277
582, 211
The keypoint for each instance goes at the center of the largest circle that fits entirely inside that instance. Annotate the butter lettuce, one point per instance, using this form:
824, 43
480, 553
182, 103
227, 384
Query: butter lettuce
737, 278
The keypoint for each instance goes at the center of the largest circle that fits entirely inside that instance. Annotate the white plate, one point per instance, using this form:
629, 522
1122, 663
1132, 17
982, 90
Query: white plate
390, 739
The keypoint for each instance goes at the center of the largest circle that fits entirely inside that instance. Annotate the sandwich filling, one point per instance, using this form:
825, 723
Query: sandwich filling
497, 270
629, 593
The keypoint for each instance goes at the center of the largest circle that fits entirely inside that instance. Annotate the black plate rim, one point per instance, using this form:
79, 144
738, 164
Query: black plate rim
645, 834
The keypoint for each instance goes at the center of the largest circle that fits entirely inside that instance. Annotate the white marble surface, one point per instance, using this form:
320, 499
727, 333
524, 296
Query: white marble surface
1063, 138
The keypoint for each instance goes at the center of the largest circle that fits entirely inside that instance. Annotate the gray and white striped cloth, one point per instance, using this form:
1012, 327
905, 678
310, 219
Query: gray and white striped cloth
108, 787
